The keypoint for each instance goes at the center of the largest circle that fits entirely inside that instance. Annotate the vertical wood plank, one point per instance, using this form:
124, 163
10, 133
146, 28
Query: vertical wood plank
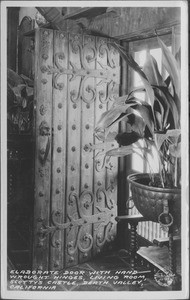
103, 188
112, 166
87, 130
73, 150
59, 149
77, 180
43, 100
99, 173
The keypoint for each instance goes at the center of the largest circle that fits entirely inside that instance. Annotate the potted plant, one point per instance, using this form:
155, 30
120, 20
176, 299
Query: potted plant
156, 121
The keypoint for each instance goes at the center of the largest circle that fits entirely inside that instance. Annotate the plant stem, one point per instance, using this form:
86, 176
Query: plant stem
160, 164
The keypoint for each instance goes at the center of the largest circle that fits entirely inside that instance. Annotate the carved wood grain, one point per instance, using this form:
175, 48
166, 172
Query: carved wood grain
87, 129
73, 157
74, 216
112, 169
59, 154
99, 173
43, 96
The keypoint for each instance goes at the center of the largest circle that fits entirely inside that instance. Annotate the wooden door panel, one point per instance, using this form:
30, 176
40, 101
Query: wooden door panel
87, 128
43, 100
78, 217
112, 166
59, 154
105, 171
73, 149
99, 170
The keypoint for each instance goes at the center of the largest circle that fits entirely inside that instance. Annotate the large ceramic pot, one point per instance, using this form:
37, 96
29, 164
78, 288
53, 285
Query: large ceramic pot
150, 200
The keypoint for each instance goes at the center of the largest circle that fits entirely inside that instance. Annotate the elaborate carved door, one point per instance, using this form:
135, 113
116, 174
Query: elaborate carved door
76, 80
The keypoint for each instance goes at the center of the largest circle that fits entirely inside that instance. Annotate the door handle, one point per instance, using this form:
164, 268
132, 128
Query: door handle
44, 152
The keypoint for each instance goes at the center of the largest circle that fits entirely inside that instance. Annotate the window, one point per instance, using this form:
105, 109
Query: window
138, 164
149, 230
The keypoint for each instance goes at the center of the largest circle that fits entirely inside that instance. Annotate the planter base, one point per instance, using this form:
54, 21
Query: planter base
161, 261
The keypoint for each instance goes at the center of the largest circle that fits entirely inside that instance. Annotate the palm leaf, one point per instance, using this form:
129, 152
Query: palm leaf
171, 101
120, 100
115, 115
146, 114
175, 150
171, 65
108, 117
178, 58
121, 151
151, 71
127, 150
160, 138
132, 63
127, 138
111, 136
164, 105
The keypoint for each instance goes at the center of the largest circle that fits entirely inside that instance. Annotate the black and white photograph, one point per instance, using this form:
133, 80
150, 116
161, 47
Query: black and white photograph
94, 150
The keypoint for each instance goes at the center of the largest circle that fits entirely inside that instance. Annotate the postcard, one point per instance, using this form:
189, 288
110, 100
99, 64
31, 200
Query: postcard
94, 150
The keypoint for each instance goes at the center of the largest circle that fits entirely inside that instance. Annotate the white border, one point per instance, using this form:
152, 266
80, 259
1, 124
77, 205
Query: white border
127, 3
185, 157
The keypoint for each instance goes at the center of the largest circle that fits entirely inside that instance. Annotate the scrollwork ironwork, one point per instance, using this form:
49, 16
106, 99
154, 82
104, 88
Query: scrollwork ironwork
109, 204
87, 54
72, 247
86, 238
45, 44
89, 47
102, 162
107, 94
86, 202
104, 217
104, 48
107, 234
72, 197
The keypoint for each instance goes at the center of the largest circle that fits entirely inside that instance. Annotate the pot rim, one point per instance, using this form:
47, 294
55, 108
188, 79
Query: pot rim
134, 176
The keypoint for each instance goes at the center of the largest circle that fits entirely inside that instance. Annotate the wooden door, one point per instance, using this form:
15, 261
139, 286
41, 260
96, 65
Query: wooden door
76, 80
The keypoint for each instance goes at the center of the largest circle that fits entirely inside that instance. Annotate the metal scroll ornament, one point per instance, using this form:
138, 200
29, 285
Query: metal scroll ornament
86, 54
105, 219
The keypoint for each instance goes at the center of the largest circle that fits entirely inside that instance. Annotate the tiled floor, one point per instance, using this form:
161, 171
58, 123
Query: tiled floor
111, 272
114, 273
119, 278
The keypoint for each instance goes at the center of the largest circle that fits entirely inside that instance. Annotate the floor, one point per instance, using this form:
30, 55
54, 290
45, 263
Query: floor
111, 272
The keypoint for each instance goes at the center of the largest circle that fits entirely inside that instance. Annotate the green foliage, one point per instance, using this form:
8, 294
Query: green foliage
156, 121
